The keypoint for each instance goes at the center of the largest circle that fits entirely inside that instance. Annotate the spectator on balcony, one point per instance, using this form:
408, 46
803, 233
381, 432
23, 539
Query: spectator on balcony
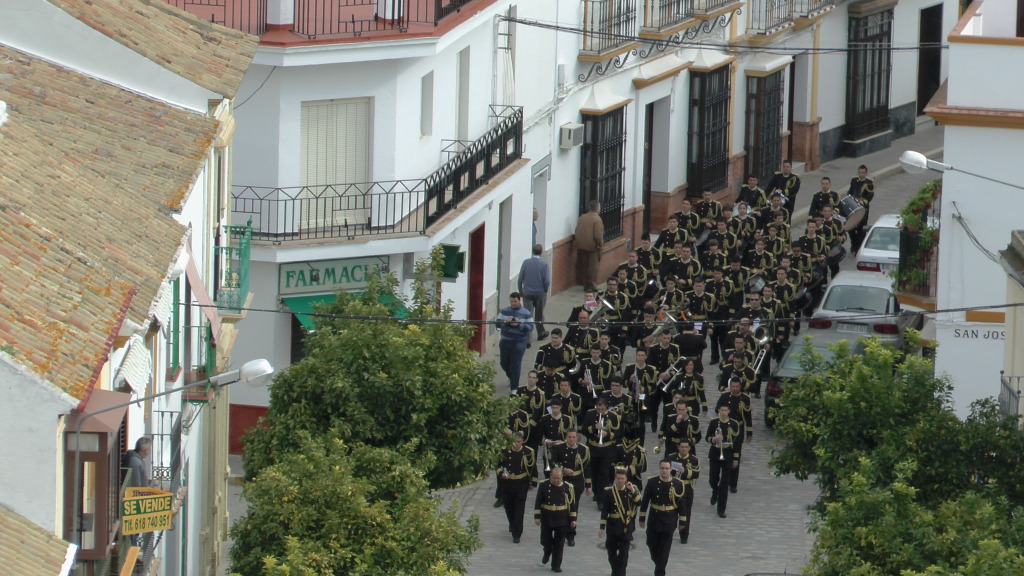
534, 282
589, 242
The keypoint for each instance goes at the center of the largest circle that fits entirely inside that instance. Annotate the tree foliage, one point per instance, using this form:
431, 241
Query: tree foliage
388, 383
331, 508
907, 488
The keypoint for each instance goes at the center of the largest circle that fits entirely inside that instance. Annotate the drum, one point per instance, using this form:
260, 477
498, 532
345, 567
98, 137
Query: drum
755, 284
836, 254
852, 210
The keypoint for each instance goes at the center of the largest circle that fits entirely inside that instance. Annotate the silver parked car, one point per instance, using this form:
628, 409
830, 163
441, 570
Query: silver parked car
863, 304
881, 249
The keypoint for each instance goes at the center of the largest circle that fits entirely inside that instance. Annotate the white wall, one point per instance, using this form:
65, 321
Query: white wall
29, 421
832, 70
998, 18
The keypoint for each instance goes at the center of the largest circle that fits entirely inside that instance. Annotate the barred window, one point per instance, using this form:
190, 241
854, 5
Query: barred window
763, 141
868, 74
602, 167
710, 93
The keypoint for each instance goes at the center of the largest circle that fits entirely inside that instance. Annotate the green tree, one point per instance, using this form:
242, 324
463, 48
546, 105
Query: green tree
387, 383
332, 508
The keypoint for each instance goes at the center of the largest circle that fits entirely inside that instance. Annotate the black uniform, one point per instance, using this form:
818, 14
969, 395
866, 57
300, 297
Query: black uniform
822, 199
618, 522
668, 238
575, 463
630, 455
602, 452
687, 470
556, 508
667, 510
646, 390
692, 347
788, 185
572, 406
864, 191
581, 338
515, 474
674, 431
692, 387
565, 355
721, 458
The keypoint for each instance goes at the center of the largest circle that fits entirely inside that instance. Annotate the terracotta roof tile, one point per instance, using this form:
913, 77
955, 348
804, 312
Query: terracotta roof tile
213, 56
90, 174
27, 549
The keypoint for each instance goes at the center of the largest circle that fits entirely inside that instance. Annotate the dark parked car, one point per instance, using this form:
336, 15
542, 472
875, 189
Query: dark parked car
789, 369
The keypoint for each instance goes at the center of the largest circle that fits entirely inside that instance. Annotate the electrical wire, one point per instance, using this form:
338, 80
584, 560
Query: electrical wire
724, 46
610, 324
970, 234
258, 88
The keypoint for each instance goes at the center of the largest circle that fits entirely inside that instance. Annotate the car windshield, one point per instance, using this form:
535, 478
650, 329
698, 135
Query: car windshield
884, 239
868, 299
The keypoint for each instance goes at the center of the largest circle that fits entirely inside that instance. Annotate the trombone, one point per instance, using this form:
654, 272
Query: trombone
762, 338
675, 369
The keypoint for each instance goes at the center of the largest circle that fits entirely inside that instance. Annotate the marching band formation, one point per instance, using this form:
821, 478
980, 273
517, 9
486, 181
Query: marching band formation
730, 278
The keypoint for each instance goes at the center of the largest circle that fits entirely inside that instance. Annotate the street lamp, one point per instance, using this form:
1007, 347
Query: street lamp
253, 372
916, 163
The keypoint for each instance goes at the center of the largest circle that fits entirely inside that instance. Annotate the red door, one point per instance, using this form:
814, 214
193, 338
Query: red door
475, 300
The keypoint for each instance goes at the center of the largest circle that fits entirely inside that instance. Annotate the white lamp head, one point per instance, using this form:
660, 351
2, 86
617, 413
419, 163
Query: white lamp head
254, 372
914, 162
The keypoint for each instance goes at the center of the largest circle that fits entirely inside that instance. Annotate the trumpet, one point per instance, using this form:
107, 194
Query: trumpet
547, 461
600, 429
762, 337
588, 378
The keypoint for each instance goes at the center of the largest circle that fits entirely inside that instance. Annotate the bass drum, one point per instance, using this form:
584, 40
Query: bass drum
755, 284
852, 210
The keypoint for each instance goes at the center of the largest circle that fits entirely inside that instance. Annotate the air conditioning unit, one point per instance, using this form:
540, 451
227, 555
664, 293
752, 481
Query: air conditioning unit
570, 136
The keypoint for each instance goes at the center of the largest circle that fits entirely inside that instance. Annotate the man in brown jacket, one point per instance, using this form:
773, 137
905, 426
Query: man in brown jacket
589, 240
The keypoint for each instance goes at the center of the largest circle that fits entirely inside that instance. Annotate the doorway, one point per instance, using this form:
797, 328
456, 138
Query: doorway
648, 163
929, 56
475, 300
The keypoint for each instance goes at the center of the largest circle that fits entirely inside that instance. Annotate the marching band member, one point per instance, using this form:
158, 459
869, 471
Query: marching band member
724, 443
686, 469
514, 479
617, 521
665, 497
555, 512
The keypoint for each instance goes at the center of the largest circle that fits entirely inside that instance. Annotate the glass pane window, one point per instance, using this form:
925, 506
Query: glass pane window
710, 95
868, 76
764, 124
602, 167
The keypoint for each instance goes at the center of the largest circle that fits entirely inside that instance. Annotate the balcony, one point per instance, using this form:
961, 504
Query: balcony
664, 17
769, 16
609, 28
383, 208
1009, 394
233, 268
710, 7
811, 8
314, 19
919, 256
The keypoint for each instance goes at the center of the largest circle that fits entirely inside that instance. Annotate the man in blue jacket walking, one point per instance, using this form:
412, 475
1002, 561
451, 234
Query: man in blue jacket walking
515, 323
534, 282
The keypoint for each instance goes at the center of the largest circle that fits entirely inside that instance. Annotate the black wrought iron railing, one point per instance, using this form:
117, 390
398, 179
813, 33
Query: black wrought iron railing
662, 14
314, 18
1009, 394
384, 207
607, 24
233, 268
918, 256
249, 16
767, 16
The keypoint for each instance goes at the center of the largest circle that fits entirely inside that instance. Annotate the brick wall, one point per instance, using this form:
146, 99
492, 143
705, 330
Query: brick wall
665, 203
564, 273
805, 144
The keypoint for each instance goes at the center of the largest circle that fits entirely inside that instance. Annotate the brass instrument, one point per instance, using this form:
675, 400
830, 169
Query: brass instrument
722, 443
588, 378
703, 237
597, 316
676, 369
600, 428
547, 461
762, 337
576, 367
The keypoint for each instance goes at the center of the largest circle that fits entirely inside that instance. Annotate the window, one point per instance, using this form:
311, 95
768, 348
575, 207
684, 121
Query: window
608, 24
334, 149
868, 75
709, 130
427, 105
764, 124
602, 167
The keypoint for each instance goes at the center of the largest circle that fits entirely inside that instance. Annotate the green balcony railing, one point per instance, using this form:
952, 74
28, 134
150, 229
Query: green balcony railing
233, 260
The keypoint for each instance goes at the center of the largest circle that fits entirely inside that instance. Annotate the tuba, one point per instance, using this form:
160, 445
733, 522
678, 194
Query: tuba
762, 337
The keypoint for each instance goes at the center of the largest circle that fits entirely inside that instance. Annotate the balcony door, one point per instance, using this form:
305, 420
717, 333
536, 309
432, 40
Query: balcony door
335, 164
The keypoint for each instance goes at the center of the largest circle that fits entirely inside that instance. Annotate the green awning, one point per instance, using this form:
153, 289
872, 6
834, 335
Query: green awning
302, 306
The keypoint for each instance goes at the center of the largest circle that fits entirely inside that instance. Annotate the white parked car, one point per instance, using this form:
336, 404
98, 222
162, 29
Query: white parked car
864, 304
881, 249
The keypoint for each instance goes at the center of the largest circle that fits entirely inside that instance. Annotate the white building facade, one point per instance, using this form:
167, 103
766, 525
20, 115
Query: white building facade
636, 103
984, 127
